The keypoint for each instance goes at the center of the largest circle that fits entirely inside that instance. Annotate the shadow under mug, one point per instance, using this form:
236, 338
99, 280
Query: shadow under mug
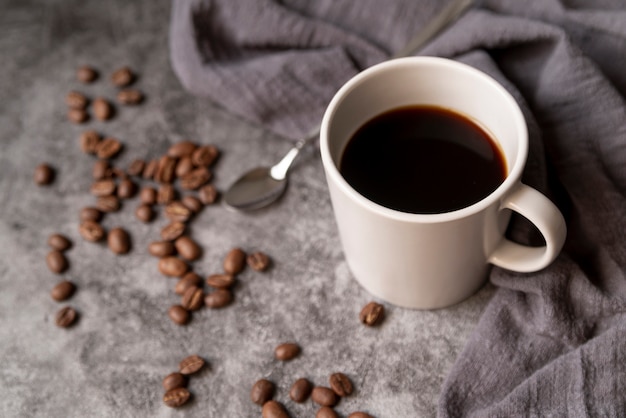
428, 261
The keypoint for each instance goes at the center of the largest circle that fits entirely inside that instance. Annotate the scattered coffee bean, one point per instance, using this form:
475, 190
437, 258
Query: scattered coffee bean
196, 178
372, 314
234, 261
184, 166
103, 188
273, 409
177, 397
191, 364
150, 170
204, 156
129, 96
181, 149
66, 317
57, 263
108, 203
188, 248
177, 212
122, 77
262, 391
166, 194
90, 214
173, 381
166, 170
44, 174
172, 266
59, 242
220, 281
161, 248
326, 412
258, 261
76, 100
126, 189
286, 351
101, 169
219, 298
91, 231
77, 116
300, 390
86, 74
102, 109
323, 396
192, 299
192, 203
148, 195
108, 148
340, 384
136, 167
208, 194
188, 280
144, 213
118, 241
179, 315
63, 291
360, 415
173, 231
89, 141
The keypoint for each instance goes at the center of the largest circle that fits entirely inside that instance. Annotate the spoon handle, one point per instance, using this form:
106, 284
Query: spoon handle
279, 171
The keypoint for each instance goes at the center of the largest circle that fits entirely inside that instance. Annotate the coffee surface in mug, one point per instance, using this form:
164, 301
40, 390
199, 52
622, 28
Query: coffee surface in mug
423, 159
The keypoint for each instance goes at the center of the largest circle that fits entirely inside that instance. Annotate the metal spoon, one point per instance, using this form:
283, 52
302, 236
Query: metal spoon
264, 185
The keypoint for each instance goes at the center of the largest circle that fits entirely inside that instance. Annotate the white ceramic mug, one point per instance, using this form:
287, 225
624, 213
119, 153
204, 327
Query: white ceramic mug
429, 261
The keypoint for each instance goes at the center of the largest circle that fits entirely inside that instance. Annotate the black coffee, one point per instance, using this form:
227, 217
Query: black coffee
423, 159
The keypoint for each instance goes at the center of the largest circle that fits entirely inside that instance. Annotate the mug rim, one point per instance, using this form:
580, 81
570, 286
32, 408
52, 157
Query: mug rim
512, 177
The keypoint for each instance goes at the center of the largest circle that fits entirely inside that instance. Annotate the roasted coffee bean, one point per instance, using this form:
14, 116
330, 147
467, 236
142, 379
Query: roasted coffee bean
59, 242
166, 170
56, 261
63, 291
326, 412
191, 364
372, 314
150, 170
136, 167
108, 148
220, 281
101, 169
129, 97
102, 109
340, 384
262, 391
177, 212
196, 178
76, 100
300, 390
175, 398
173, 381
161, 248
273, 409
192, 203
286, 351
144, 213
184, 166
118, 173
66, 317
90, 214
204, 156
258, 261
360, 415
179, 315
219, 298
148, 195
188, 248
126, 189
234, 261
188, 280
122, 77
172, 266
44, 174
192, 299
173, 231
103, 188
89, 141
118, 241
86, 74
108, 203
91, 231
324, 396
77, 115
208, 194
181, 149
166, 194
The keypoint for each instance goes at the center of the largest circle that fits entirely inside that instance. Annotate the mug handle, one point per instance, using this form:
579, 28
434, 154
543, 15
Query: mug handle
539, 210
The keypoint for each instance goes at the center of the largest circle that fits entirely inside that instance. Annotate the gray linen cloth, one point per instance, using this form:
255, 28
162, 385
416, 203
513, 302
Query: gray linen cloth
551, 343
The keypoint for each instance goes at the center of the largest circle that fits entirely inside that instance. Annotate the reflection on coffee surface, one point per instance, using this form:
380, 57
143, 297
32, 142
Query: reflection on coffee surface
423, 159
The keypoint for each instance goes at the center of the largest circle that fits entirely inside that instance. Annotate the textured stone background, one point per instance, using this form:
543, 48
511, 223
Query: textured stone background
112, 362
